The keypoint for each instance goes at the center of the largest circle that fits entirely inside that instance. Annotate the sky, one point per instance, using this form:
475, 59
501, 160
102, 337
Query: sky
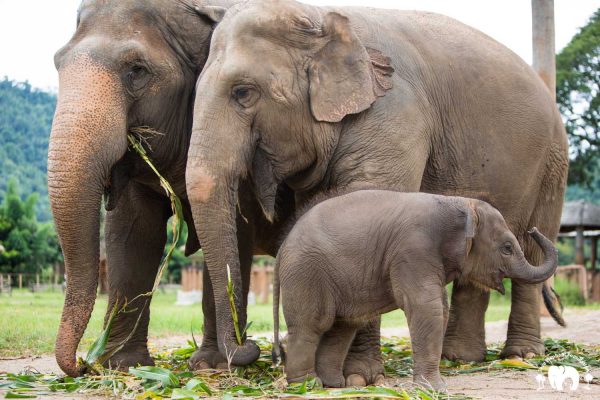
32, 30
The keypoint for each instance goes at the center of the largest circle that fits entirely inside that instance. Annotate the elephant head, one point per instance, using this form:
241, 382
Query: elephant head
557, 375
493, 252
130, 63
279, 80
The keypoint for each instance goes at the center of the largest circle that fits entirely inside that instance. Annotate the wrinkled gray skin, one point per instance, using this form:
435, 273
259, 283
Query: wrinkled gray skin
130, 63
338, 98
135, 63
369, 252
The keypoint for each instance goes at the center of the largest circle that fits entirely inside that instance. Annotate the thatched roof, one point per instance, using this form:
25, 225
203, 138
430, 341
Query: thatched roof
580, 213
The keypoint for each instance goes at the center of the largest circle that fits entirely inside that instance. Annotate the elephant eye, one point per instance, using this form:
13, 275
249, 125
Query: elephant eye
245, 95
137, 78
507, 248
136, 72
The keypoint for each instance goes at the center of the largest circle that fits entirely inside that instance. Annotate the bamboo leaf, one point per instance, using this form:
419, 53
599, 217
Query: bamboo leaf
197, 384
513, 363
182, 393
13, 395
162, 375
234, 314
97, 348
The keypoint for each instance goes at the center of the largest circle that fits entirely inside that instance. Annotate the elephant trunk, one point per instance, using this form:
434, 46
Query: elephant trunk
531, 274
214, 168
88, 137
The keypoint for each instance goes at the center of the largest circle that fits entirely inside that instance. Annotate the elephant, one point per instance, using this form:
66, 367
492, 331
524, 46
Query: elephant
130, 63
557, 375
369, 252
326, 98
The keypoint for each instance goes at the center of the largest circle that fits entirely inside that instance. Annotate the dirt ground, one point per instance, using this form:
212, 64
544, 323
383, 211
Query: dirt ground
583, 326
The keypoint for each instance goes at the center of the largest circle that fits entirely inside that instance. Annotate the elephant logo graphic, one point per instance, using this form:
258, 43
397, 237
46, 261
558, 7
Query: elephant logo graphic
558, 375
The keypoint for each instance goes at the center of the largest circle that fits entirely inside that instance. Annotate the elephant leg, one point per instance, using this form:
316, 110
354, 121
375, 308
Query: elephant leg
426, 326
332, 352
208, 355
302, 345
523, 335
364, 364
465, 331
135, 240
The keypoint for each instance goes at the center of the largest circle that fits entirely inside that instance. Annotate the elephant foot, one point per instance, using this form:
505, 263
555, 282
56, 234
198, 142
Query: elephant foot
356, 380
332, 380
304, 377
467, 349
523, 349
331, 377
129, 357
204, 358
434, 382
362, 370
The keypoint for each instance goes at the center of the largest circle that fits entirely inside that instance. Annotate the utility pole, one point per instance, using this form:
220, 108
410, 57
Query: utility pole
544, 61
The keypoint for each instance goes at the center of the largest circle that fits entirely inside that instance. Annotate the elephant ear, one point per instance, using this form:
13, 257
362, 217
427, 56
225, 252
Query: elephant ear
265, 184
214, 13
344, 76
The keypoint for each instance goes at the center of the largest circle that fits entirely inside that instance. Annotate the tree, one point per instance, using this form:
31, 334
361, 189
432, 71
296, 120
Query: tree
25, 123
28, 245
578, 98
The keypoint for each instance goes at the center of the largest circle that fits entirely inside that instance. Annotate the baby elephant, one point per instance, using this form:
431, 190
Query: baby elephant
353, 257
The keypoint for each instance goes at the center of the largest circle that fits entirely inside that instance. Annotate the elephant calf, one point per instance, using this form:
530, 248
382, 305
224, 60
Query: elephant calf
368, 252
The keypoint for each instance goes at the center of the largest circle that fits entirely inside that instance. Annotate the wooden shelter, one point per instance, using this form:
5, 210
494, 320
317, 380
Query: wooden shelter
581, 220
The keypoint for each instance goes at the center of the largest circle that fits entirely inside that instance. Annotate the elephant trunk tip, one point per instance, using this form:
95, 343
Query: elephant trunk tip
243, 355
68, 364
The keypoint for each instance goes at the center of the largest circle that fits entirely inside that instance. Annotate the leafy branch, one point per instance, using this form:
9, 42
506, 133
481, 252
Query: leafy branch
97, 354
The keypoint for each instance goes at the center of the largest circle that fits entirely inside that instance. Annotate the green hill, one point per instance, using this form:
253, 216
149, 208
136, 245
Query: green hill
25, 123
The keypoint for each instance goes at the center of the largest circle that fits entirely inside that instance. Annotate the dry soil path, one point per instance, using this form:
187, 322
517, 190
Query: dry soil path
583, 326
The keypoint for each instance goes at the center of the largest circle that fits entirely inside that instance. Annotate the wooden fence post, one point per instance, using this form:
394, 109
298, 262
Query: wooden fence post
20, 281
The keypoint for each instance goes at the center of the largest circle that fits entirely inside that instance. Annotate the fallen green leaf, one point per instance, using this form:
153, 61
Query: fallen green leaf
13, 395
162, 375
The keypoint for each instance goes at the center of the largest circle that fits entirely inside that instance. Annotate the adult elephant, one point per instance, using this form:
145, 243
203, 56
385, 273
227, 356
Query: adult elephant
130, 63
336, 98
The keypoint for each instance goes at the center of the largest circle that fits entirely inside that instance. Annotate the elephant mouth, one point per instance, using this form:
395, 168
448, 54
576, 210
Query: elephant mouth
486, 286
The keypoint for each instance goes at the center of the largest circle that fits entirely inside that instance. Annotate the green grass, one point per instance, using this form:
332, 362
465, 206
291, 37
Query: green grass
30, 320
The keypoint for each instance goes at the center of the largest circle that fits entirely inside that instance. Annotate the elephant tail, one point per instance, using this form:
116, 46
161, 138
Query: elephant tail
553, 303
276, 354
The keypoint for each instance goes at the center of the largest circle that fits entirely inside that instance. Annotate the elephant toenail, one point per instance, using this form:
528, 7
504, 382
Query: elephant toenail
379, 380
356, 380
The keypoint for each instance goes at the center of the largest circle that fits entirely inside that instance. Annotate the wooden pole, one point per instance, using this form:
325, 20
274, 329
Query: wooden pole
579, 241
594, 252
544, 61
20, 281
